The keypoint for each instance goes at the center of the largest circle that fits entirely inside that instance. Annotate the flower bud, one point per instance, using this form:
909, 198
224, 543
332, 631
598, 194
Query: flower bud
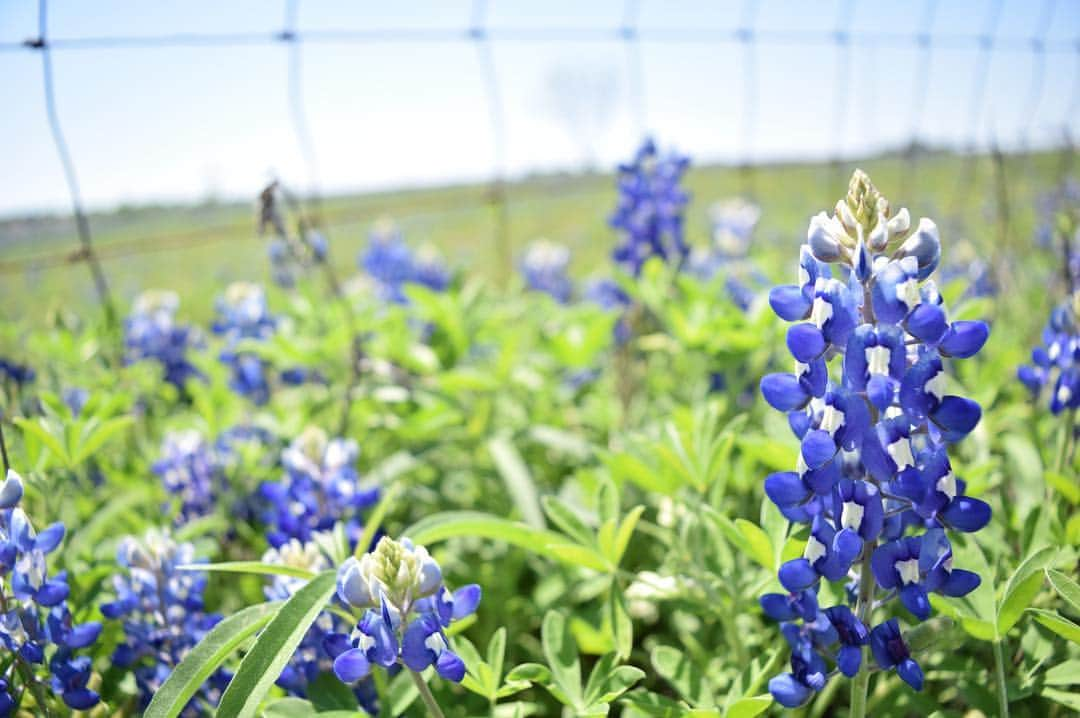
352, 585
899, 224
822, 237
11, 491
925, 246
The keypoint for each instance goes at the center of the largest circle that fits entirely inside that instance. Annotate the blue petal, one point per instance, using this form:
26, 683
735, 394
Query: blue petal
785, 488
797, 575
960, 583
51, 593
967, 514
818, 447
787, 691
11, 491
450, 666
805, 342
927, 323
466, 599
914, 598
849, 659
80, 699
414, 652
777, 606
965, 339
335, 644
909, 670
783, 392
956, 416
351, 666
50, 538
789, 302
83, 635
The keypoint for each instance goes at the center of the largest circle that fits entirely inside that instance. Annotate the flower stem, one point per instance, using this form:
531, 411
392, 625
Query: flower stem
1003, 696
860, 685
425, 693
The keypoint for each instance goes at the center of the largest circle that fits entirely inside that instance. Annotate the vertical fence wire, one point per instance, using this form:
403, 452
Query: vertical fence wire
968, 174
914, 150
635, 66
82, 223
841, 91
498, 198
746, 36
290, 35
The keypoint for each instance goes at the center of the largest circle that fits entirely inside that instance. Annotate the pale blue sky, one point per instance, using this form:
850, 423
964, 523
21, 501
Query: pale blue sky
176, 123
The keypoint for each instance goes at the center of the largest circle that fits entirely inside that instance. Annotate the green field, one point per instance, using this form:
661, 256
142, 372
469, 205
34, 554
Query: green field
197, 249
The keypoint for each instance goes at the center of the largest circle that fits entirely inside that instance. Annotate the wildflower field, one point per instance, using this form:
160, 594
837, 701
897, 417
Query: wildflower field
808, 450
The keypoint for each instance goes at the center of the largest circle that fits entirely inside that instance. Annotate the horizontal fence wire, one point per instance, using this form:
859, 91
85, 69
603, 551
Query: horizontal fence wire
627, 30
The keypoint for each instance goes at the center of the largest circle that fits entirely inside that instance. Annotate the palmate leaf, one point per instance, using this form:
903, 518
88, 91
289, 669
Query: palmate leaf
205, 658
264, 662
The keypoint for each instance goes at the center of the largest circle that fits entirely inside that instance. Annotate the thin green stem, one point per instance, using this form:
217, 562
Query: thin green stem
425, 693
860, 686
999, 666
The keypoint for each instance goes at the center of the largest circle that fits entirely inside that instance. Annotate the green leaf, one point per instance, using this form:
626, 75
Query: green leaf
749, 707
264, 662
1064, 486
99, 435
449, 524
622, 628
626, 530
205, 658
328, 694
1058, 624
531, 672
579, 555
562, 656
40, 431
1016, 601
1067, 588
1066, 673
678, 670
567, 519
256, 567
654, 704
496, 653
299, 708
519, 482
760, 546
1069, 700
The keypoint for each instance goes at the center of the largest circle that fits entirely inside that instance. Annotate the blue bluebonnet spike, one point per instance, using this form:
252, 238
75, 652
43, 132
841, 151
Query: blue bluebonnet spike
649, 210
37, 623
1056, 362
151, 333
545, 268
407, 625
872, 476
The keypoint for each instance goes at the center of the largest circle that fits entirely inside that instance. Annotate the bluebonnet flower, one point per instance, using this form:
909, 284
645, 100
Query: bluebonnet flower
545, 268
35, 613
406, 611
310, 659
151, 332
607, 294
321, 487
649, 212
873, 462
16, 373
163, 615
190, 471
1056, 362
243, 315
392, 265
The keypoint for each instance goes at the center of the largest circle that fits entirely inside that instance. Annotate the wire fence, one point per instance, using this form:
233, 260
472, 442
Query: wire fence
749, 37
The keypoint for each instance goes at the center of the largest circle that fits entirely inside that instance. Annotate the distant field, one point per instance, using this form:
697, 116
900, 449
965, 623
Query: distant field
196, 250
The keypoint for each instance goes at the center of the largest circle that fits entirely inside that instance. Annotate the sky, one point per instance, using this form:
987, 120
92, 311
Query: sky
409, 103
